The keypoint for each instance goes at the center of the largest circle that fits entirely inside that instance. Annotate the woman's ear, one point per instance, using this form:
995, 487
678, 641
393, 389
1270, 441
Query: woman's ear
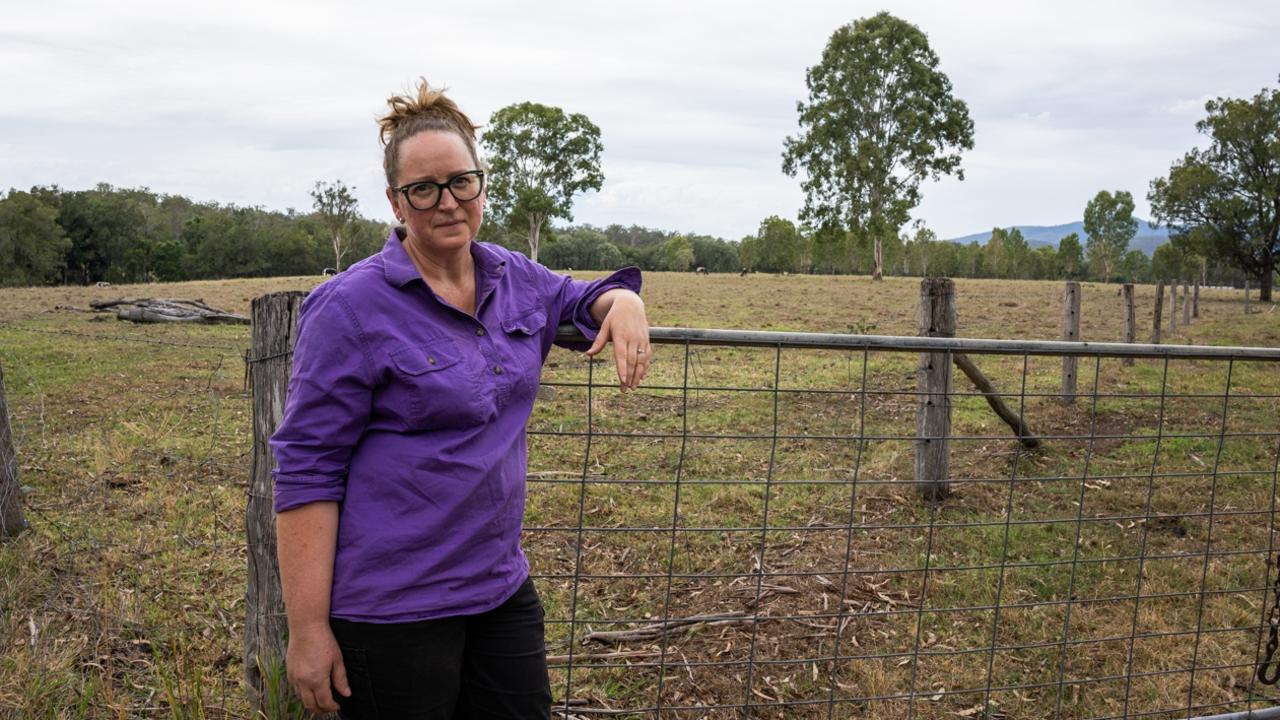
394, 199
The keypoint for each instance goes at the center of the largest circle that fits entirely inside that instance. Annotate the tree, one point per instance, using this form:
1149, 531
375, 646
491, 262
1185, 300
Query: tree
539, 157
775, 247
879, 120
677, 254
1230, 192
1070, 256
1110, 225
33, 246
335, 208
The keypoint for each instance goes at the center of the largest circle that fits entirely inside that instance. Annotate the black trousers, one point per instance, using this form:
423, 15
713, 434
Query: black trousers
492, 665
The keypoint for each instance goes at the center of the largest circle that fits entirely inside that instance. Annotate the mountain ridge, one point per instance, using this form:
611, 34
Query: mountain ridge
1148, 238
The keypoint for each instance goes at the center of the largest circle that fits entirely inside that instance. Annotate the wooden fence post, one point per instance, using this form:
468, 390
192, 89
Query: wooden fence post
1130, 319
1070, 333
1195, 300
1173, 308
933, 405
275, 323
11, 520
1155, 322
1186, 305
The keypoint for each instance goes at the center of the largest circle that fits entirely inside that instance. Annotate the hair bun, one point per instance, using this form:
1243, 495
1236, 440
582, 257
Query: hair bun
425, 108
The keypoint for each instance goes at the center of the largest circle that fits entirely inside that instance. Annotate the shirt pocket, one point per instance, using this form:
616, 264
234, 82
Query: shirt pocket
432, 387
523, 332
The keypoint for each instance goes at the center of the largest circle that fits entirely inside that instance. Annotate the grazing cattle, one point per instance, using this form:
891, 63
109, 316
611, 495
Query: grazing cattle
103, 283
743, 273
701, 270
328, 271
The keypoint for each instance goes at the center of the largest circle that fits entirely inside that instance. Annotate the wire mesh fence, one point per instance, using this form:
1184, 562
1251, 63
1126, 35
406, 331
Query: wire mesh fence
741, 538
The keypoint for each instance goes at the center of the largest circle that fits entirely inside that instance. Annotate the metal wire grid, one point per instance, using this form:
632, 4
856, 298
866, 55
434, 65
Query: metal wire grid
68, 612
645, 675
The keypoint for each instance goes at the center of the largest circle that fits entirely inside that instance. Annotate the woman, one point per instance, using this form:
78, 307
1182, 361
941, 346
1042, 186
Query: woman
401, 457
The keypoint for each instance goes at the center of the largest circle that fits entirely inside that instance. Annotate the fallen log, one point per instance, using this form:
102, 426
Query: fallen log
992, 395
158, 310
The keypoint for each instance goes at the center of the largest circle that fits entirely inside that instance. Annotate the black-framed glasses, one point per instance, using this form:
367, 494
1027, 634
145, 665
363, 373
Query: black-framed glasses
425, 194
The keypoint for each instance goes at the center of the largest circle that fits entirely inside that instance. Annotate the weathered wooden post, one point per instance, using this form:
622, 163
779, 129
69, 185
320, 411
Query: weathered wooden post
1173, 308
11, 520
1130, 319
1195, 300
1155, 322
1070, 333
933, 404
1186, 305
275, 323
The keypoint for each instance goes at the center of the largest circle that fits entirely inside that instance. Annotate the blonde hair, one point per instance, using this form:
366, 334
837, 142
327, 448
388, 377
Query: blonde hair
423, 110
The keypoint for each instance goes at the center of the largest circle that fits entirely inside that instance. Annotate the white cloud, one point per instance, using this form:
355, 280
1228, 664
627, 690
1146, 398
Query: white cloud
251, 102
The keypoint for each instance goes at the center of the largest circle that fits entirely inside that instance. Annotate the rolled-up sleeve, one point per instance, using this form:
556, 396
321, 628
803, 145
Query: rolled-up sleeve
328, 404
573, 299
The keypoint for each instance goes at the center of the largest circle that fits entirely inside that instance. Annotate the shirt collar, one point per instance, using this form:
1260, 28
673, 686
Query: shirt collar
399, 269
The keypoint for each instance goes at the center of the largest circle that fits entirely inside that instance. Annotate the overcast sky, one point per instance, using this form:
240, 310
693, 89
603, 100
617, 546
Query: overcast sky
252, 102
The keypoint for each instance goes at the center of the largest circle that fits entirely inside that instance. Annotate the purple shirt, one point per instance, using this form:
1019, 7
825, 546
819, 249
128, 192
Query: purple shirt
411, 414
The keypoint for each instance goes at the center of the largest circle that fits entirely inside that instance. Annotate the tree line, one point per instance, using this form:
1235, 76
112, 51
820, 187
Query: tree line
49, 235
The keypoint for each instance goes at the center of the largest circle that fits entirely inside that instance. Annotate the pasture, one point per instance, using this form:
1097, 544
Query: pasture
788, 516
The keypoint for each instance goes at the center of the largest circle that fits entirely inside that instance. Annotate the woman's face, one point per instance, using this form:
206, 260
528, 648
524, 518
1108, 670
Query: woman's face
437, 156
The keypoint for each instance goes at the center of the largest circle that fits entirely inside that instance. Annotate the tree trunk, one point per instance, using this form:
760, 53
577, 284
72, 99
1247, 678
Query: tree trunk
878, 256
11, 520
535, 233
337, 252
1268, 275
275, 323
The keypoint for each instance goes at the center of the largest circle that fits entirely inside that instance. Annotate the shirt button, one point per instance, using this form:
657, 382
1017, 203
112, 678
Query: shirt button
431, 360
479, 331
497, 369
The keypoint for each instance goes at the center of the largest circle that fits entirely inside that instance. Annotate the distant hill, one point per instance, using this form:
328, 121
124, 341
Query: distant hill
1147, 240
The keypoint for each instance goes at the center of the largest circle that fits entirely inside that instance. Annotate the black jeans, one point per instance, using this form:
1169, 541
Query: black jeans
491, 665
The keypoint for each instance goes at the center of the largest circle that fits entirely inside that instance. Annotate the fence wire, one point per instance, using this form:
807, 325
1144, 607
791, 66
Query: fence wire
742, 538
739, 538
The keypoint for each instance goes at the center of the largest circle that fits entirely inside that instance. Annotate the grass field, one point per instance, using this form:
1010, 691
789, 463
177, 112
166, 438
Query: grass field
126, 597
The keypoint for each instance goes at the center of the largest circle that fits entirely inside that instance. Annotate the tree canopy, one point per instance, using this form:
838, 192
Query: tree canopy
1226, 198
880, 119
1110, 225
539, 158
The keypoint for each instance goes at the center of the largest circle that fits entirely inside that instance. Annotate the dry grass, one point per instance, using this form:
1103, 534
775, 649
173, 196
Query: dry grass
125, 598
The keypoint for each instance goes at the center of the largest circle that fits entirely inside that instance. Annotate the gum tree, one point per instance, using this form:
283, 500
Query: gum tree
1110, 225
1227, 196
539, 158
335, 209
880, 118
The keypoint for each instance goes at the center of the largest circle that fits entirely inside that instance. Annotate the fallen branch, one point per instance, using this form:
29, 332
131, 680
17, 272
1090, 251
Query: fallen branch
158, 310
659, 629
1013, 419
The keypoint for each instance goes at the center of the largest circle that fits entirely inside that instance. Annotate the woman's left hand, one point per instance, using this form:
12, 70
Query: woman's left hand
626, 325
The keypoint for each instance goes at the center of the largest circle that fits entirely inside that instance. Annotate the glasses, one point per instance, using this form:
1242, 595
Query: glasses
425, 194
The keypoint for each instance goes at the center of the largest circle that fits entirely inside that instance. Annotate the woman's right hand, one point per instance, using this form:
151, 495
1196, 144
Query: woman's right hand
314, 662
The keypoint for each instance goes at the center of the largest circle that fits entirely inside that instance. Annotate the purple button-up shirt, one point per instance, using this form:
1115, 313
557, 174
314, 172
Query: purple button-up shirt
411, 414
